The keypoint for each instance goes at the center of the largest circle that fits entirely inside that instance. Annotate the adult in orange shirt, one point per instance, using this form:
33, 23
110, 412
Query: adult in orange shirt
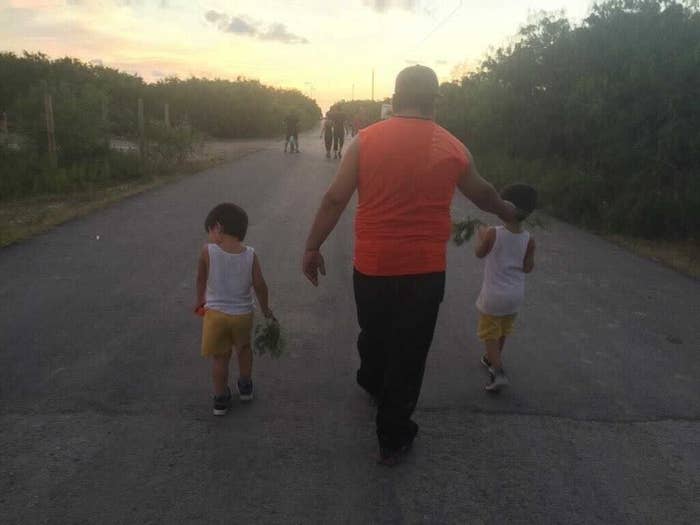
405, 170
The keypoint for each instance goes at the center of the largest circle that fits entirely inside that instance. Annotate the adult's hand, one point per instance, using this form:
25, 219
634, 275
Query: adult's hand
312, 264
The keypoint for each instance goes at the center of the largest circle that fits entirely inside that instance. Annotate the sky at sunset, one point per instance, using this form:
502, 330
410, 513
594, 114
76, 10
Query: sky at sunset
322, 48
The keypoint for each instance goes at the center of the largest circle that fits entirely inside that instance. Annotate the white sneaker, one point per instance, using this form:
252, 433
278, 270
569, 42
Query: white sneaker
498, 380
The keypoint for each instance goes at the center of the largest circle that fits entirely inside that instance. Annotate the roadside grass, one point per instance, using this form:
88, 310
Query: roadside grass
24, 218
682, 256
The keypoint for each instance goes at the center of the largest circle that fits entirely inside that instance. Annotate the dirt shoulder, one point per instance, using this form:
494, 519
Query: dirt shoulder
22, 219
682, 256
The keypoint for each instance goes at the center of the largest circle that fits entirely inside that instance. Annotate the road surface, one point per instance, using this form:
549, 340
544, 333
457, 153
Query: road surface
105, 410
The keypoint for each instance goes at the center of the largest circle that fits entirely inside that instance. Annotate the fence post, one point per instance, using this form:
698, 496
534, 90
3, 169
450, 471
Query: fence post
50, 129
105, 123
167, 115
142, 133
4, 137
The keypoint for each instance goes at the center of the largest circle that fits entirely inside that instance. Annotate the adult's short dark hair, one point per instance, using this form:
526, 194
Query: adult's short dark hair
232, 218
523, 196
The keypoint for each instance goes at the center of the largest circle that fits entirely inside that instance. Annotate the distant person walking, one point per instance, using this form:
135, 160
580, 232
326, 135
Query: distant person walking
291, 122
339, 120
405, 170
510, 254
327, 134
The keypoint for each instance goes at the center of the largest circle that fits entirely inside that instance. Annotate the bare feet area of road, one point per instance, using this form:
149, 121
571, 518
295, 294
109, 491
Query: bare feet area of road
24, 218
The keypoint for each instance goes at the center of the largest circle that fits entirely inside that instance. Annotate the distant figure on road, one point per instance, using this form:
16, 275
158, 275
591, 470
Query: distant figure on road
339, 120
226, 272
291, 122
510, 254
327, 134
405, 170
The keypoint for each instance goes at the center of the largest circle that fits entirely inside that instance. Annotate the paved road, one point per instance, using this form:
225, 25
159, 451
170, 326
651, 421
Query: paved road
105, 410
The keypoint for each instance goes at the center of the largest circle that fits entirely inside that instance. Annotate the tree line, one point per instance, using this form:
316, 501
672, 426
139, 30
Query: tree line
90, 104
603, 117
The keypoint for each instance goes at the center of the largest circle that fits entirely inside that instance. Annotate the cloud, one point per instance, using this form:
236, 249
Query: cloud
241, 25
215, 17
383, 6
279, 33
441, 62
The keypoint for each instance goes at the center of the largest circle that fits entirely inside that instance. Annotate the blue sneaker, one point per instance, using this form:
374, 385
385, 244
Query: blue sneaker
222, 403
245, 389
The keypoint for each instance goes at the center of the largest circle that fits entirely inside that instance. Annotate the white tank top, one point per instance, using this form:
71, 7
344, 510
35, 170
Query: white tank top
230, 281
503, 289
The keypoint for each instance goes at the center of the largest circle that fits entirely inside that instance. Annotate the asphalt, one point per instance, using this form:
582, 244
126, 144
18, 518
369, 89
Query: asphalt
105, 410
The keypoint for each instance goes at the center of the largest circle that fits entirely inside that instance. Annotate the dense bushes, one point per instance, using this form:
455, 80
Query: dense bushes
92, 104
604, 118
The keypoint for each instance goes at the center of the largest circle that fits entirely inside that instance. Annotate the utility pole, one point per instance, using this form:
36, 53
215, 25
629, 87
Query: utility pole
50, 129
372, 84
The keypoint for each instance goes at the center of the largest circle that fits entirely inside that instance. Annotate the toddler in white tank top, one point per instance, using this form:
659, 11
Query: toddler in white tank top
509, 251
227, 272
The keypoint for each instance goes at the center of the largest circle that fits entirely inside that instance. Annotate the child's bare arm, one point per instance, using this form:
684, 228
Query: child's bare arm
260, 287
202, 275
529, 260
485, 238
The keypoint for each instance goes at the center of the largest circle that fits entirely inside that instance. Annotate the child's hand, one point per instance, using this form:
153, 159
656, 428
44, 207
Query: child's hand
199, 309
267, 312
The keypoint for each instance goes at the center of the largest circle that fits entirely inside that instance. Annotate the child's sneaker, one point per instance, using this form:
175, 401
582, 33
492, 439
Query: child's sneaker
498, 380
222, 403
245, 389
392, 457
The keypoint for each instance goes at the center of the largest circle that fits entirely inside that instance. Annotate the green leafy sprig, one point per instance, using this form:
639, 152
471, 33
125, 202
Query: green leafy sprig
268, 338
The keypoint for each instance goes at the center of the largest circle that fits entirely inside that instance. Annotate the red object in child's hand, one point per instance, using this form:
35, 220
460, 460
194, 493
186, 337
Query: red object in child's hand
200, 311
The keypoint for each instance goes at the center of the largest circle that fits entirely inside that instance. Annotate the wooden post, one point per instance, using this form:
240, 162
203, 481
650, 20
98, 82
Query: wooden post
3, 128
105, 122
142, 133
50, 129
104, 111
167, 115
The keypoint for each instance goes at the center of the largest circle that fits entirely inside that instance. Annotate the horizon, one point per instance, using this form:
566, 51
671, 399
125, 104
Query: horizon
326, 51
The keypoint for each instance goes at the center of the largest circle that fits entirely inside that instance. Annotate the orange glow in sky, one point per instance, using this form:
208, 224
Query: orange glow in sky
326, 49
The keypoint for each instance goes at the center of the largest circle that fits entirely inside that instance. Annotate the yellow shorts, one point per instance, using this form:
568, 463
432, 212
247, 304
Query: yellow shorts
221, 332
494, 326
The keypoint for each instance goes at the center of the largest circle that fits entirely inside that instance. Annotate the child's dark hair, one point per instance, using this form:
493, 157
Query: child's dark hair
523, 196
233, 220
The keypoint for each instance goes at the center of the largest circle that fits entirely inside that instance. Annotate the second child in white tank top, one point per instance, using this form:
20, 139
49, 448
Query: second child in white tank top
509, 251
503, 289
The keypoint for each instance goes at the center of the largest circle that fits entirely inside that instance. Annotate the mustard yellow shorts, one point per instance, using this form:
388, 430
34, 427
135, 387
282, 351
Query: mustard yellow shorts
494, 326
221, 332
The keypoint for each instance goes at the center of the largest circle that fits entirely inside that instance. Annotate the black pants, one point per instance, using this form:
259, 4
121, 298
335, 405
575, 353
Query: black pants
338, 140
328, 138
397, 318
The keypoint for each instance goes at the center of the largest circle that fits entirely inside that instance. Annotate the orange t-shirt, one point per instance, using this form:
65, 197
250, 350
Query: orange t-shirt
407, 176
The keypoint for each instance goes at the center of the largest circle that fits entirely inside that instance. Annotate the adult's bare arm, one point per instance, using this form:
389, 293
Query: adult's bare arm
482, 193
332, 206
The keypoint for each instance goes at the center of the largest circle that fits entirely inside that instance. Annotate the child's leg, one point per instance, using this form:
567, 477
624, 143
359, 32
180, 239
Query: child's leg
245, 361
219, 373
493, 352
